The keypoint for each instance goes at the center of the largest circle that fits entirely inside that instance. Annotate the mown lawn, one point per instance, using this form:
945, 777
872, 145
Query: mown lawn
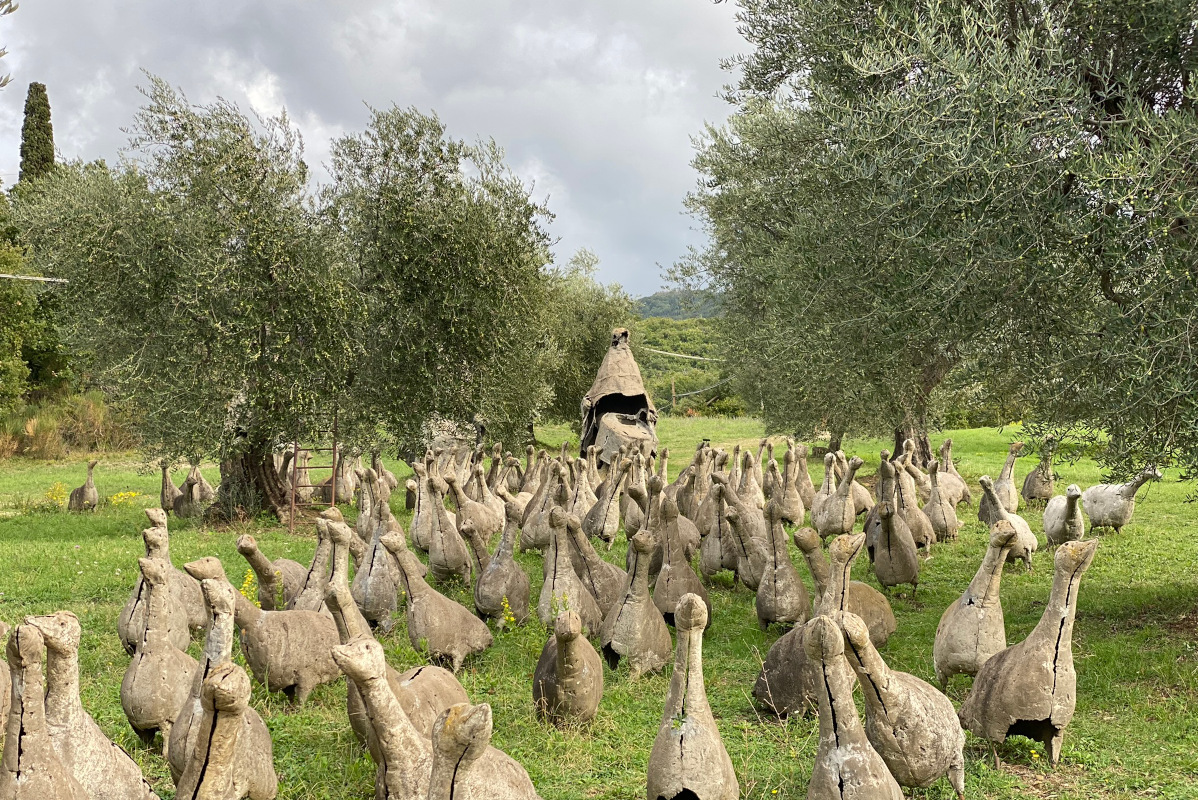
1135, 644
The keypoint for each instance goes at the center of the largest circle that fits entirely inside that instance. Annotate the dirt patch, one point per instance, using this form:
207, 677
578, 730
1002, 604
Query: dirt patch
1185, 626
1064, 780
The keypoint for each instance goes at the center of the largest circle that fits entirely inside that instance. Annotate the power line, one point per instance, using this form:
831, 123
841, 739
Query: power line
33, 278
680, 355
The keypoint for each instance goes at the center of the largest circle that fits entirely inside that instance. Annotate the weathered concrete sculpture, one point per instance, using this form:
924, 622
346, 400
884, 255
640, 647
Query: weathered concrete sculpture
676, 578
837, 513
223, 764
169, 491
405, 757
616, 410
1026, 543
791, 505
436, 625
158, 679
460, 737
781, 596
187, 502
104, 770
803, 477
604, 580
911, 724
895, 560
421, 527
748, 534
287, 651
282, 578
1004, 489
205, 493
1063, 520
846, 765
834, 589
1030, 689
862, 500
85, 497
688, 759
603, 520
923, 484
5, 681
582, 497
500, 580
31, 769
486, 514
940, 511
1038, 484
376, 582
536, 532
448, 558
634, 629
1111, 505
905, 505
316, 579
185, 604
568, 681
972, 629
750, 489
952, 485
562, 587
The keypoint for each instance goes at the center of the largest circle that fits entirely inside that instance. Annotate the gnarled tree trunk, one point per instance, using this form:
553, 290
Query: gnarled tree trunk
250, 483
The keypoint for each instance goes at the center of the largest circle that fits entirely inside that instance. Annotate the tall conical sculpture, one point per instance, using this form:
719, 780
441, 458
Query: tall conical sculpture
617, 410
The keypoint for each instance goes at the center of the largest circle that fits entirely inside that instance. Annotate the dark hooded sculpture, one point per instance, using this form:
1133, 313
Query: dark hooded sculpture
617, 411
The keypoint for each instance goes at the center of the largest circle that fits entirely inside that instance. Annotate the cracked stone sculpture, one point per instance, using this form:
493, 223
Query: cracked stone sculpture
460, 737
836, 513
582, 496
377, 581
940, 510
287, 651
1063, 520
563, 588
158, 679
890, 490
677, 578
781, 596
1004, 491
217, 767
895, 560
634, 629
487, 515
205, 493
1038, 484
104, 770
343, 479
791, 506
537, 533
1111, 505
187, 503
604, 580
249, 765
746, 524
85, 497
421, 527
952, 484
316, 578
499, 577
448, 557
282, 577
1030, 688
568, 681
185, 604
423, 691
750, 488
802, 476
923, 484
5, 680
846, 765
910, 723
715, 531
31, 769
1026, 543
862, 500
169, 491
972, 629
436, 625
405, 760
688, 759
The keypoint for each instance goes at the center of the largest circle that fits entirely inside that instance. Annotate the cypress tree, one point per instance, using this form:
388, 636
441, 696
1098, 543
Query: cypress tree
37, 134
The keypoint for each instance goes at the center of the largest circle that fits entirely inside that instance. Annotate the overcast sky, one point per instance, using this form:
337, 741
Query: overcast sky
595, 103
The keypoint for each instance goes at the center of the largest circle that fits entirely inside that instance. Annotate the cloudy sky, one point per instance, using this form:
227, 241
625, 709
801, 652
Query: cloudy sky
595, 103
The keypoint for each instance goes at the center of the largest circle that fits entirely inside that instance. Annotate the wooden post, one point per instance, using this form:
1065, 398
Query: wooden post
673, 396
334, 478
292, 481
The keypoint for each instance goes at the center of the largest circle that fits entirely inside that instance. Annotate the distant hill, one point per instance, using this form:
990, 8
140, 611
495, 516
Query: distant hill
679, 304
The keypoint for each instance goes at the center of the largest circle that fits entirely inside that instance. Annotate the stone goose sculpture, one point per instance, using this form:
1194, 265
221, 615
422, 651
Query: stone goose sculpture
436, 625
536, 532
486, 514
688, 759
223, 764
750, 485
205, 493
104, 770
158, 679
747, 534
185, 604
862, 500
423, 691
895, 560
1004, 489
287, 651
461, 735
376, 581
846, 765
905, 504
85, 497
421, 527
187, 502
1111, 505
715, 532
634, 629
1039, 484
582, 496
802, 476
448, 557
676, 578
791, 505
405, 763
952, 484
604, 580
316, 578
1026, 543
5, 680
1063, 520
939, 510
603, 519
568, 681
827, 486
923, 484
781, 596
910, 723
251, 763
31, 769
563, 588
1030, 688
501, 586
837, 514
282, 577
169, 491
972, 629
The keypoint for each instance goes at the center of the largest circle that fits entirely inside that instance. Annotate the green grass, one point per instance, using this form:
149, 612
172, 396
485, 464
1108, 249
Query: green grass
1135, 644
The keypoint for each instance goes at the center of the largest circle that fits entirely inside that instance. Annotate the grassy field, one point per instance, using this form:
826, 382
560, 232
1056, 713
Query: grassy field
1135, 644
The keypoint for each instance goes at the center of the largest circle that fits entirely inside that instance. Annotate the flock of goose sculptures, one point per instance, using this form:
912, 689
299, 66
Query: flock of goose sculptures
312, 624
